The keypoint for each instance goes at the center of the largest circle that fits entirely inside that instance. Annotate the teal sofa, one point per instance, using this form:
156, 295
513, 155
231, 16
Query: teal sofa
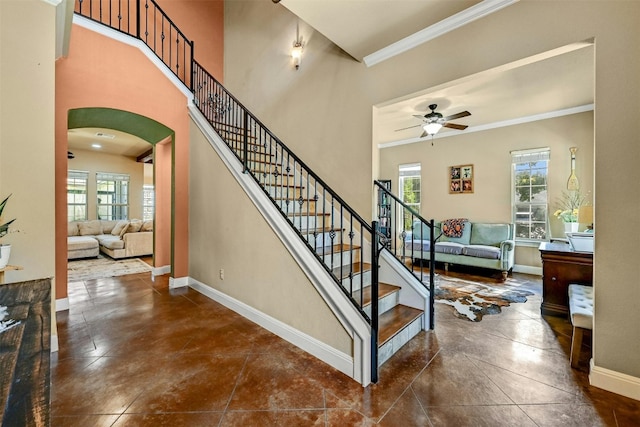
485, 245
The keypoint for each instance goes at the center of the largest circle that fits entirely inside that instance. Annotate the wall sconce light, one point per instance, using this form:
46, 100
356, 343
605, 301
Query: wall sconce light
296, 54
296, 51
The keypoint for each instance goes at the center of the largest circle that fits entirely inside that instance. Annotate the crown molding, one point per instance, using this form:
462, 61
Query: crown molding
458, 20
495, 125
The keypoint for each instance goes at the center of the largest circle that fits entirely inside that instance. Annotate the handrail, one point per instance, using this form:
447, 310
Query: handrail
335, 233
127, 17
407, 241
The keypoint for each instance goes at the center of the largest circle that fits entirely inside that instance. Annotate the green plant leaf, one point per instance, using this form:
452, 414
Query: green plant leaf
4, 228
4, 202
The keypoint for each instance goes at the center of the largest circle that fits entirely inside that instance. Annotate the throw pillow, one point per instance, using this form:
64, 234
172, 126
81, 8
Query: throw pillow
90, 228
120, 228
147, 225
134, 226
72, 229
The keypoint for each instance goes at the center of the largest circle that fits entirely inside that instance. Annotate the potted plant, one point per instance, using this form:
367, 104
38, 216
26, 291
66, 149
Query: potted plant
5, 250
569, 203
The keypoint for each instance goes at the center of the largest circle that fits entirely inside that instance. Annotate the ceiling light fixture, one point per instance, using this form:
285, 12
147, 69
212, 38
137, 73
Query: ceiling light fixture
432, 128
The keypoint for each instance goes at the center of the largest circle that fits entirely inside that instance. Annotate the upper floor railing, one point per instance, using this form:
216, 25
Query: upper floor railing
146, 21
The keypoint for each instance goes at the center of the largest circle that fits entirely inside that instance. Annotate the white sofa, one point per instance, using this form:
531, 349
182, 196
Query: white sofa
118, 239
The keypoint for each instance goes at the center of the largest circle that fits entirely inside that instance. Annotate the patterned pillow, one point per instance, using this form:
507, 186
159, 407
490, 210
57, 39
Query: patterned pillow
453, 227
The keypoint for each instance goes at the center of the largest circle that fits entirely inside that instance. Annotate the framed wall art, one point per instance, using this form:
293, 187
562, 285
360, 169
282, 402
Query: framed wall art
461, 179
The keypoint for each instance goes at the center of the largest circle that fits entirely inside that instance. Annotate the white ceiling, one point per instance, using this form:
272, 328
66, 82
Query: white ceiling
551, 84
111, 141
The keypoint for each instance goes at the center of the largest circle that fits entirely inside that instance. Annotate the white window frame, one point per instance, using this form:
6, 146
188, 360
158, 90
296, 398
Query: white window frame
117, 205
409, 170
77, 179
148, 202
520, 157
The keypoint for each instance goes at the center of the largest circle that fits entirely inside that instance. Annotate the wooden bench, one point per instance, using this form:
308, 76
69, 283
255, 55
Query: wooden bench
581, 312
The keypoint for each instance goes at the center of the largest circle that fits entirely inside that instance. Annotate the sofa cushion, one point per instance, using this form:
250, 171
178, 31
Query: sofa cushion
490, 234
482, 251
107, 225
72, 229
90, 228
120, 228
134, 226
111, 242
449, 248
420, 231
147, 225
77, 243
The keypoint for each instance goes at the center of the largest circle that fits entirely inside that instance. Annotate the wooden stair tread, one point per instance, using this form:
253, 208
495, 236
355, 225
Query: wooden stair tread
384, 289
310, 213
336, 249
345, 269
394, 320
321, 230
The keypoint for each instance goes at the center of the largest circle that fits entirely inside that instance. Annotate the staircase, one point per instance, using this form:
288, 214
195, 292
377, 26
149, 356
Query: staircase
307, 211
347, 247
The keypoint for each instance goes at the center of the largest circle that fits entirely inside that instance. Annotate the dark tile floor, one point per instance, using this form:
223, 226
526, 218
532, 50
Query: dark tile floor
134, 353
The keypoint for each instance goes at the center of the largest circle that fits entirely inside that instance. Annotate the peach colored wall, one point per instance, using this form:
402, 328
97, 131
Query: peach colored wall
101, 72
162, 161
202, 22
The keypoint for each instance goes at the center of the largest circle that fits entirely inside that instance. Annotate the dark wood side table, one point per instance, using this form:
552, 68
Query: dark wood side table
562, 266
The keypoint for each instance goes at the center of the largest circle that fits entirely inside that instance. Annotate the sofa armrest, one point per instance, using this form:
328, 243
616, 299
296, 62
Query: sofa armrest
140, 243
507, 254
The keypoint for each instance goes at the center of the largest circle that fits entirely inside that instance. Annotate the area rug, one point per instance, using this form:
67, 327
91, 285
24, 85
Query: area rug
103, 267
472, 300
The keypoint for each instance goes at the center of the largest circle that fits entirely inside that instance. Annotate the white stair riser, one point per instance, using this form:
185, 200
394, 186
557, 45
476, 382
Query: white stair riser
384, 304
400, 339
358, 280
282, 191
310, 222
337, 258
322, 239
293, 206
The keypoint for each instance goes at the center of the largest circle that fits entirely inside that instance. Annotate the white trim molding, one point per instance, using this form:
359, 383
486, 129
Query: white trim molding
341, 361
438, 29
159, 271
62, 304
54, 343
178, 282
615, 382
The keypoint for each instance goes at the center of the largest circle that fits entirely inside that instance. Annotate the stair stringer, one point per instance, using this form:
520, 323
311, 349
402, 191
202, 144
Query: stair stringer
349, 317
414, 293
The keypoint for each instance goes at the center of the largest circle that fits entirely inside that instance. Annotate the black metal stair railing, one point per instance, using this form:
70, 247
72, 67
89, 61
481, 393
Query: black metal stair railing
407, 246
330, 228
338, 237
146, 21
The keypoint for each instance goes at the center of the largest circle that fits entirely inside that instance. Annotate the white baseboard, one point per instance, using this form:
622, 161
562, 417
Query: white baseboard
615, 382
159, 271
178, 282
527, 269
62, 304
54, 343
329, 355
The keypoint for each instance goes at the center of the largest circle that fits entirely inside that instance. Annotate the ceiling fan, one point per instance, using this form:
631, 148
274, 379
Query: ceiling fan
433, 121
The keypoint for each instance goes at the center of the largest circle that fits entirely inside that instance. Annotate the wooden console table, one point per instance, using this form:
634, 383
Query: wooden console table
24, 354
562, 266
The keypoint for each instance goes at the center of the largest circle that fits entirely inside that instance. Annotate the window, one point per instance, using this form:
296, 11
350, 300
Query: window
77, 195
530, 204
409, 192
148, 202
113, 195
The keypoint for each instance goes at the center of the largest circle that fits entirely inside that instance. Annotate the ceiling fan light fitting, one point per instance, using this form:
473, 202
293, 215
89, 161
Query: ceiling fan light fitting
432, 128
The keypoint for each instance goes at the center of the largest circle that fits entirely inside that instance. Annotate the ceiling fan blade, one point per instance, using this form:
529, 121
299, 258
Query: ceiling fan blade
457, 116
410, 127
455, 126
417, 116
424, 134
